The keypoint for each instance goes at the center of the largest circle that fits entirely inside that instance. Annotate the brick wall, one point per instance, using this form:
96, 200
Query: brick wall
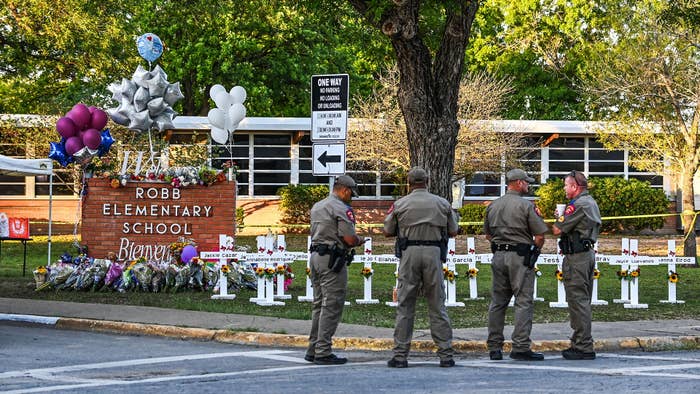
143, 218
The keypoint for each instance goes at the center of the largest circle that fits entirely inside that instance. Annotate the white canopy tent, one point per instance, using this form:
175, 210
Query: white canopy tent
23, 167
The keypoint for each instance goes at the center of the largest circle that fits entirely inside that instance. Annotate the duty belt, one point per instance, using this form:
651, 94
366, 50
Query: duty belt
505, 247
321, 249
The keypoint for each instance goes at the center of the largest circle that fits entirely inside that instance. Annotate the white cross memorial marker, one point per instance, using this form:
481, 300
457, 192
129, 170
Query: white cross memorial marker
451, 285
672, 268
561, 291
309, 297
367, 264
225, 252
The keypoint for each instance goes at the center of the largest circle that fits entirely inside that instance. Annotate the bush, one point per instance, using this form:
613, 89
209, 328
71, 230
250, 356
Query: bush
472, 213
615, 197
240, 216
297, 200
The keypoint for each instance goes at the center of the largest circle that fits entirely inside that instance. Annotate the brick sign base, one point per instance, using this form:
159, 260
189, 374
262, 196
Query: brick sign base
144, 218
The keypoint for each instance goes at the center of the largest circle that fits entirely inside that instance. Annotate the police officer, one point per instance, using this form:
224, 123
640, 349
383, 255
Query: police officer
332, 235
579, 227
513, 225
423, 222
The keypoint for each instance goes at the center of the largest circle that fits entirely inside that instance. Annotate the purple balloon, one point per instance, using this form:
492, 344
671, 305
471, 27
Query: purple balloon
80, 114
73, 144
98, 119
188, 252
92, 138
66, 127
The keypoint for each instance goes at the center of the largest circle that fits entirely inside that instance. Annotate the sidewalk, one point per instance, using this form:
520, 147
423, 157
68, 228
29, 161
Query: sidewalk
271, 331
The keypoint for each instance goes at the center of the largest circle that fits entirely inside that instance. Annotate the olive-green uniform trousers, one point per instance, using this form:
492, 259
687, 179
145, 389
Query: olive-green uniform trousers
329, 298
578, 283
421, 269
511, 278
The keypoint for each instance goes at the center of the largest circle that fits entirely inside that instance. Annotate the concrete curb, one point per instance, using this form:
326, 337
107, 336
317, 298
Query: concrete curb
647, 344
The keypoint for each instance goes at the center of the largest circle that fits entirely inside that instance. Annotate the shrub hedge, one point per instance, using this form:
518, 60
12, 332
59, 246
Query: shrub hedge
296, 201
615, 197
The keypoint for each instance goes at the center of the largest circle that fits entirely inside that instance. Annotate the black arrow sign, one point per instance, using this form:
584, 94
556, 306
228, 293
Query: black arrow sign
324, 158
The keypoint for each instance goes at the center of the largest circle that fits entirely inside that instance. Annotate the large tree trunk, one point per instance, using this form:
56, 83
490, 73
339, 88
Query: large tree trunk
428, 88
688, 207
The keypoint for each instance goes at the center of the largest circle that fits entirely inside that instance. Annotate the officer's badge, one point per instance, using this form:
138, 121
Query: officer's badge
561, 218
537, 211
391, 209
569, 210
350, 215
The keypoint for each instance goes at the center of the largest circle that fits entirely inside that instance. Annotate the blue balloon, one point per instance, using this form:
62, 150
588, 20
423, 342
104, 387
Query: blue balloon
57, 151
107, 141
150, 46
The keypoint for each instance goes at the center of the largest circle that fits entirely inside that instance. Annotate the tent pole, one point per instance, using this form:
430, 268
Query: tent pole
48, 262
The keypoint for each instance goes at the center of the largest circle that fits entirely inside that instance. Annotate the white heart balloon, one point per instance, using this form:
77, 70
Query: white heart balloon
216, 89
236, 113
223, 100
217, 117
219, 135
238, 94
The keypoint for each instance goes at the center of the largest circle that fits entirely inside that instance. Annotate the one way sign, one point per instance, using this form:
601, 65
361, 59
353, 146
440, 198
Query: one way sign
329, 159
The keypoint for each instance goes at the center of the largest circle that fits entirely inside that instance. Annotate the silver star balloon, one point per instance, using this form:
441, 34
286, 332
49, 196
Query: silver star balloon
141, 99
157, 85
140, 121
140, 76
163, 122
128, 89
173, 93
156, 106
158, 70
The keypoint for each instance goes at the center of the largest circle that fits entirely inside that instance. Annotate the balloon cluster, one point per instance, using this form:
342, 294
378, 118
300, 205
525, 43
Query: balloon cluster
145, 100
81, 138
228, 113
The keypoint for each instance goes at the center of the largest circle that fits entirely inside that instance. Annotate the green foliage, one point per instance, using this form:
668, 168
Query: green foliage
240, 217
549, 195
615, 197
297, 200
620, 197
472, 213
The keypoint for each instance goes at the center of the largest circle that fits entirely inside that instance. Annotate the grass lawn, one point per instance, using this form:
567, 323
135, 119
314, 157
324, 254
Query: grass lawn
653, 287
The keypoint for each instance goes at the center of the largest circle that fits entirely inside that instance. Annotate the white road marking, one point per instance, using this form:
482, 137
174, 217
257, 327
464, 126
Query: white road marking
648, 357
29, 318
174, 378
142, 361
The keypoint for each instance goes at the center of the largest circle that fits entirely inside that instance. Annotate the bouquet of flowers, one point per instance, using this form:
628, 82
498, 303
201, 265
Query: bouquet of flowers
596, 273
40, 274
58, 274
181, 278
473, 272
181, 176
634, 274
622, 274
673, 277
113, 276
559, 275
143, 274
367, 272
449, 274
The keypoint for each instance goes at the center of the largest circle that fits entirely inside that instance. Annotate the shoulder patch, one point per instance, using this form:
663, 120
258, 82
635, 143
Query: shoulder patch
391, 209
350, 215
569, 210
537, 210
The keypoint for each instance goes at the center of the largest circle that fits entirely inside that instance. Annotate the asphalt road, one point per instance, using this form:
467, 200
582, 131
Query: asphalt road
35, 358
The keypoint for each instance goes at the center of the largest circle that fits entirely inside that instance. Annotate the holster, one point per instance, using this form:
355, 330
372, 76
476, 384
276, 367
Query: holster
399, 246
443, 248
532, 256
573, 243
340, 257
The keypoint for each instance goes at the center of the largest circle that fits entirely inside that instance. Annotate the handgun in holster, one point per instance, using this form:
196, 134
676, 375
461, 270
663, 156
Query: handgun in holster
340, 257
443, 246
